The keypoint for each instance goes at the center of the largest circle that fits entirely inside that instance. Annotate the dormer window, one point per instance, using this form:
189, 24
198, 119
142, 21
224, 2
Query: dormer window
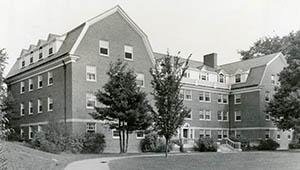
23, 63
31, 59
221, 78
204, 76
40, 53
237, 78
186, 74
50, 51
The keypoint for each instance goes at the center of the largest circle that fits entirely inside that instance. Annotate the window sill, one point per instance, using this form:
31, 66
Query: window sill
91, 80
104, 55
127, 59
139, 138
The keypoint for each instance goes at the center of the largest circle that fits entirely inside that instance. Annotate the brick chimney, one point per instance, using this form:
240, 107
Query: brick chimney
210, 59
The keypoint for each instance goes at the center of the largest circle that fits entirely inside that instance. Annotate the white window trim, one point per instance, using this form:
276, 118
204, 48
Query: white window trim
227, 99
269, 134
22, 84
87, 129
106, 55
235, 97
227, 115
30, 82
209, 111
29, 132
39, 129
203, 112
125, 51
93, 97
48, 104
22, 109
266, 116
278, 133
203, 93
48, 81
40, 78
38, 106
186, 118
185, 93
221, 116
143, 137
289, 133
221, 98
235, 117
209, 132
21, 132
112, 134
30, 106
236, 79
142, 75
86, 73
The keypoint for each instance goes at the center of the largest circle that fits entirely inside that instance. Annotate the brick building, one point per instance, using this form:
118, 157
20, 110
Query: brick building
57, 79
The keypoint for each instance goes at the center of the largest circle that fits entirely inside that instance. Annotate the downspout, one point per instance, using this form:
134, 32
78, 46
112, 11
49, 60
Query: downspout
65, 94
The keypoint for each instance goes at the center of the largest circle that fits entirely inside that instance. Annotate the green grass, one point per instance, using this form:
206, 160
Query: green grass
212, 161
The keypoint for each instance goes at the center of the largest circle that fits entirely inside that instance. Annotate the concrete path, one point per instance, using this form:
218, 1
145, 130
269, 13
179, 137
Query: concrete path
102, 163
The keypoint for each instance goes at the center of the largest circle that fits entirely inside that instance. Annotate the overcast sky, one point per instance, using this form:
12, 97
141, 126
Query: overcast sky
191, 26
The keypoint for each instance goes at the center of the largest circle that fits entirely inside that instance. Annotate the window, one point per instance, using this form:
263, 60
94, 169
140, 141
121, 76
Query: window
207, 115
91, 127
189, 116
39, 128
31, 59
40, 82
22, 110
90, 101
225, 133
30, 85
140, 80
187, 74
225, 116
221, 78
267, 96
128, 52
204, 76
50, 51
237, 133
225, 98
40, 53
22, 87
207, 133
220, 115
273, 79
23, 63
181, 94
188, 95
40, 106
289, 136
237, 78
237, 99
267, 134
50, 78
115, 134
104, 48
207, 96
30, 108
30, 132
91, 73
238, 116
201, 115
204, 96
268, 117
140, 134
201, 133
219, 98
219, 134
278, 135
50, 104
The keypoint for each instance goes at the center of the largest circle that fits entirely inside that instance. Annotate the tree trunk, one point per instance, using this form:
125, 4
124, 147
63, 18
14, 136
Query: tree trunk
123, 133
120, 138
167, 147
127, 138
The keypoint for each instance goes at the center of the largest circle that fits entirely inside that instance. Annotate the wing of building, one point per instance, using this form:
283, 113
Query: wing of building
57, 79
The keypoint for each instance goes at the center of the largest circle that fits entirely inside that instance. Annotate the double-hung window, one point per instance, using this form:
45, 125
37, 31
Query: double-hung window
40, 106
207, 115
22, 87
221, 78
40, 82
91, 73
204, 96
30, 85
188, 94
50, 51
30, 108
128, 52
268, 117
104, 48
225, 98
30, 132
204, 115
267, 96
22, 110
220, 115
90, 101
50, 104
91, 127
115, 134
41, 53
238, 116
50, 78
140, 80
238, 78
140, 134
273, 79
237, 99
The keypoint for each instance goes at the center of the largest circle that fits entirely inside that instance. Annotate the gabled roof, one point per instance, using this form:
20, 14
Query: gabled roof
245, 65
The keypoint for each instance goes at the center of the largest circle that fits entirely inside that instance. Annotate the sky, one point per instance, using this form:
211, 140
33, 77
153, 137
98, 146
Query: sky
198, 27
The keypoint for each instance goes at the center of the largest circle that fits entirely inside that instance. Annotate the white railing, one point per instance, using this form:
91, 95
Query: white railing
205, 83
231, 143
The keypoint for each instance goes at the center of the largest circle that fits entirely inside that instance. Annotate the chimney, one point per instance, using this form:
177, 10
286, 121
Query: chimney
210, 59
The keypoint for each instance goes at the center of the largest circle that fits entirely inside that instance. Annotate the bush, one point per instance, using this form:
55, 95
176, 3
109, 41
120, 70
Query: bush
294, 145
268, 144
93, 143
152, 143
205, 144
75, 144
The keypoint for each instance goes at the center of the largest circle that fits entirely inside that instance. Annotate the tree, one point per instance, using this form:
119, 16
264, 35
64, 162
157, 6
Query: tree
170, 111
3, 115
285, 106
126, 107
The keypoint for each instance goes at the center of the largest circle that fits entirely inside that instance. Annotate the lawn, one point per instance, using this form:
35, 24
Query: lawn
212, 161
25, 158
